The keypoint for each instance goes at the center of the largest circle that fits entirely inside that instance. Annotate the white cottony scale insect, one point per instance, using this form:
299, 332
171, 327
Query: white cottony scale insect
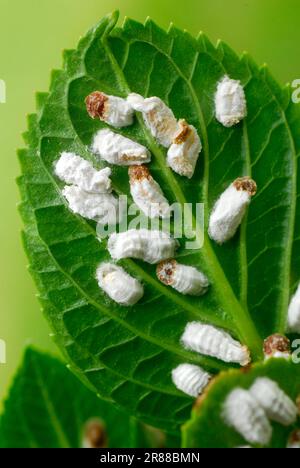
242, 412
113, 110
119, 285
294, 313
185, 279
230, 209
230, 102
147, 194
100, 207
150, 246
276, 403
119, 150
184, 152
73, 169
212, 341
158, 117
190, 379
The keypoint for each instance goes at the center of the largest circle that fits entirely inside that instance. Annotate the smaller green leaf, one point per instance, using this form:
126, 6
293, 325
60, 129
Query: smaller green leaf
206, 428
48, 407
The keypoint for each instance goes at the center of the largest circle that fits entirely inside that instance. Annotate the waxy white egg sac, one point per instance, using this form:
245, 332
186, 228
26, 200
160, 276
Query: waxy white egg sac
119, 285
230, 102
190, 379
119, 150
242, 412
75, 170
276, 403
147, 194
230, 209
113, 110
100, 207
211, 341
185, 279
184, 152
149, 246
158, 117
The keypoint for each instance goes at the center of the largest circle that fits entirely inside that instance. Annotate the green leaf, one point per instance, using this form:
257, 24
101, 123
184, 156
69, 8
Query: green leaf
206, 428
48, 407
127, 354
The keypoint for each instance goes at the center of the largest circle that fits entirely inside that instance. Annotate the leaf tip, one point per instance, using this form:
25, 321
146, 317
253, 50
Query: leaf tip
287, 87
219, 44
113, 17
29, 347
126, 20
148, 21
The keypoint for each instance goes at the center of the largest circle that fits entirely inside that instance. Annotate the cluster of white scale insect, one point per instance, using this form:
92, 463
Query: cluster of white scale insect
294, 312
89, 194
119, 285
249, 412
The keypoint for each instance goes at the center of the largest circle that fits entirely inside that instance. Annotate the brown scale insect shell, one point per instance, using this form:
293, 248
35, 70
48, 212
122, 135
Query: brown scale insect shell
246, 184
184, 133
95, 434
165, 271
276, 343
96, 105
294, 437
137, 173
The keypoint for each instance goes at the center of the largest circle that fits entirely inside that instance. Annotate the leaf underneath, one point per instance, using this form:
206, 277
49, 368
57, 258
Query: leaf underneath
48, 407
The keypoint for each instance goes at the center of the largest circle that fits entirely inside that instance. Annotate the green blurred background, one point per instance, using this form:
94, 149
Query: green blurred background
32, 35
